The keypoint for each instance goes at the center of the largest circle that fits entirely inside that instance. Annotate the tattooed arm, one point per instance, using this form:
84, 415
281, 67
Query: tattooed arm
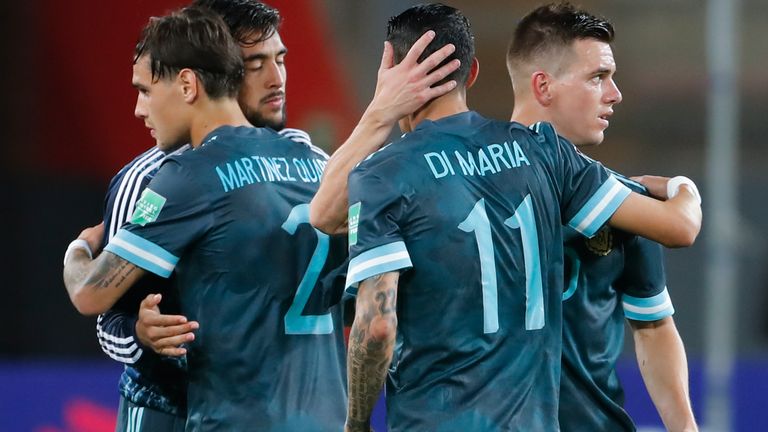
371, 343
95, 285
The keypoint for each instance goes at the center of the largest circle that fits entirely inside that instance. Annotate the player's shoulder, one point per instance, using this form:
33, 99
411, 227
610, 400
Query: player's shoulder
142, 162
137, 171
545, 134
302, 137
388, 158
628, 182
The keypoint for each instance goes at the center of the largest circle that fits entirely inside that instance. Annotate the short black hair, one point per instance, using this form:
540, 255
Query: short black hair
450, 26
554, 26
249, 21
193, 38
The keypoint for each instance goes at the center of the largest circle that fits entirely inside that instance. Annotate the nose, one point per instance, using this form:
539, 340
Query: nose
140, 110
613, 94
275, 75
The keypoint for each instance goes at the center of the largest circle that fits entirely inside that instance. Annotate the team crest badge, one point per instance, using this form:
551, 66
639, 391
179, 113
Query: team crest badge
148, 207
602, 243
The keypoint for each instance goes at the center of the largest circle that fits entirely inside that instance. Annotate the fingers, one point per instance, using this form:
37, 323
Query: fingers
172, 351
418, 47
163, 333
153, 319
434, 92
387, 57
156, 333
438, 57
439, 74
151, 301
168, 340
172, 341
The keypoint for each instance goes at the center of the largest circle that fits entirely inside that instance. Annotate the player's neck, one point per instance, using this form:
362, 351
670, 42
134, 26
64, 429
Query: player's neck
528, 113
213, 115
447, 105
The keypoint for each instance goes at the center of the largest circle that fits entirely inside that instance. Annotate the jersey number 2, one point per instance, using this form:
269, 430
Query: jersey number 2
523, 219
295, 322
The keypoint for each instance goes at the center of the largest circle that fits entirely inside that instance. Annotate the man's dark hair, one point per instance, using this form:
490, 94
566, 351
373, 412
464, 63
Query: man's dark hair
249, 21
450, 26
552, 27
193, 38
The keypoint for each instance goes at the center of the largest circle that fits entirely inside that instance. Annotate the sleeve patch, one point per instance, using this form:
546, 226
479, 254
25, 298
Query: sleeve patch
148, 207
353, 222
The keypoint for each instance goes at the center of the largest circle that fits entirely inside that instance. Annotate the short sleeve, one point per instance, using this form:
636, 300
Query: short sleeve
172, 213
376, 243
643, 283
590, 194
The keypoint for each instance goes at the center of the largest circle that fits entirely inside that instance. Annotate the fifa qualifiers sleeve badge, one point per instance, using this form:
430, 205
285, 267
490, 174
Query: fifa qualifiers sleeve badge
354, 221
148, 207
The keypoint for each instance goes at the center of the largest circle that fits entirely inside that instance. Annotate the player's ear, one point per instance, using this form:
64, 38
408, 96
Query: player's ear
541, 86
188, 84
474, 70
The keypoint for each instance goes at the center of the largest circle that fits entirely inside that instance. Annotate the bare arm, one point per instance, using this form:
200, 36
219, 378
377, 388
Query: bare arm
400, 90
663, 364
95, 285
371, 344
673, 223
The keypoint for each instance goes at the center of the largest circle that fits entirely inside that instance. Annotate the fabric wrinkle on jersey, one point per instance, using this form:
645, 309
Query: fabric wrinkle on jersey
613, 277
231, 220
467, 190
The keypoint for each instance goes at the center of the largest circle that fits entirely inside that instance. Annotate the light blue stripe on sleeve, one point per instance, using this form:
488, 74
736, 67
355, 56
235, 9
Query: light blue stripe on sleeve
600, 207
382, 259
142, 253
649, 308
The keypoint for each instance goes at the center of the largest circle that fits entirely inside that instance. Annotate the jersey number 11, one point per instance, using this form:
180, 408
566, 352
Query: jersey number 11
523, 219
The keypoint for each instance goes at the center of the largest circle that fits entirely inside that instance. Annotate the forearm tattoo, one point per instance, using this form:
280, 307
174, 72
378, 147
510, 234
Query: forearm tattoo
111, 271
370, 353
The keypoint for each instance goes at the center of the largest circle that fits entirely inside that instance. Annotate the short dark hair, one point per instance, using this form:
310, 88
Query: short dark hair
249, 21
450, 26
193, 38
552, 27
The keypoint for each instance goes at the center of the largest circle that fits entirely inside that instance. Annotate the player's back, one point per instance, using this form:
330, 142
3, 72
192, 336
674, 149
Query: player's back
269, 352
475, 205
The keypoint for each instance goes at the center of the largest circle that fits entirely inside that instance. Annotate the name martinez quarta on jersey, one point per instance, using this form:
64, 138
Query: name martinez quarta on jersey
257, 169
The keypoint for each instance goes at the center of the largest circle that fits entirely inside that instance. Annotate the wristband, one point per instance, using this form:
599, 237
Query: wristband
77, 244
673, 187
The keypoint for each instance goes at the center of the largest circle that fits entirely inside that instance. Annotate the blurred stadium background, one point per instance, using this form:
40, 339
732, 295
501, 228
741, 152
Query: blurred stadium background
68, 125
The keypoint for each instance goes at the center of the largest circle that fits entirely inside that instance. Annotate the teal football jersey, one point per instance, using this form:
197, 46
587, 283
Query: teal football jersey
231, 219
471, 211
